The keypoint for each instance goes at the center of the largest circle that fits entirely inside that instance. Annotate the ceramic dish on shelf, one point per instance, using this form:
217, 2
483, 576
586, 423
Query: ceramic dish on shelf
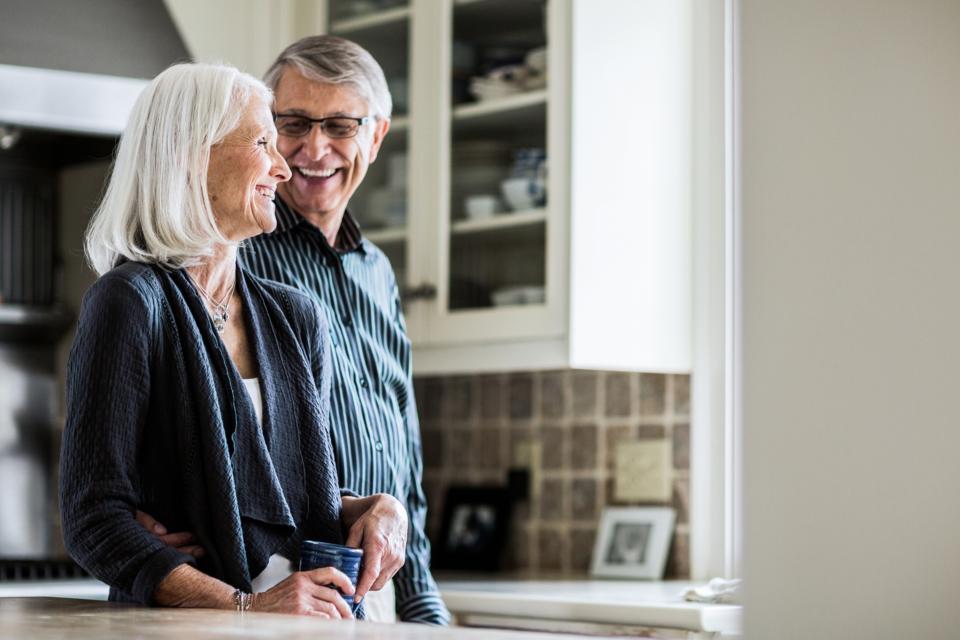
523, 193
481, 206
518, 295
536, 59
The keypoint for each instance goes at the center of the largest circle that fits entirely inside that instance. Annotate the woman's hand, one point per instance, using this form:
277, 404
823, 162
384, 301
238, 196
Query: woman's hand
308, 593
378, 525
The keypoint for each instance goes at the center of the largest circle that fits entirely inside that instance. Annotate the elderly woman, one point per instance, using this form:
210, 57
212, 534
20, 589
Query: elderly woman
197, 392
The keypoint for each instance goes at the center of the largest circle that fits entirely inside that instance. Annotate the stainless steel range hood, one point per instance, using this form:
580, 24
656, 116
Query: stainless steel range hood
66, 100
79, 66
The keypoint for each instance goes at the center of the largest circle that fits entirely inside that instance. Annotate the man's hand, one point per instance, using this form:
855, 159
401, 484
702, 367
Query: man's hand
183, 541
378, 525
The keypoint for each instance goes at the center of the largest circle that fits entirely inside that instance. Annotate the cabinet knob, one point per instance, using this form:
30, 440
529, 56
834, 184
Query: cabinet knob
423, 291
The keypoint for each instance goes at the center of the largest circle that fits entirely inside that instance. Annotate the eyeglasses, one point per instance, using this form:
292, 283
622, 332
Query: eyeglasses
332, 127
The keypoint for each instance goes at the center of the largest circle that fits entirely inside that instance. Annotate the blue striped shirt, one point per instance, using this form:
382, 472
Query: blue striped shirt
375, 430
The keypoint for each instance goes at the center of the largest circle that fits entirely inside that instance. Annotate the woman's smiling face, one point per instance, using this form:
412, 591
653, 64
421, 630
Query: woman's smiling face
244, 171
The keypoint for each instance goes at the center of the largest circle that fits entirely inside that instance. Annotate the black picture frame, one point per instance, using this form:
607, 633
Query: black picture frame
474, 528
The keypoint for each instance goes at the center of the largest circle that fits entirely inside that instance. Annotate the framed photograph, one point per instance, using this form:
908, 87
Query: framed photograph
633, 542
474, 528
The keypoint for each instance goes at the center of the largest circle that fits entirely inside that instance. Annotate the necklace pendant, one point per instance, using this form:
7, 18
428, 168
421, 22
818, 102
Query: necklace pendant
220, 321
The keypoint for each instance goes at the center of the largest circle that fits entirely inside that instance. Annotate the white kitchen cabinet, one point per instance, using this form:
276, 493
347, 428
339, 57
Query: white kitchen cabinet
610, 248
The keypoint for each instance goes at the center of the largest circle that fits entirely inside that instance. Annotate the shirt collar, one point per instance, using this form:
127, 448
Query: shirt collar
349, 237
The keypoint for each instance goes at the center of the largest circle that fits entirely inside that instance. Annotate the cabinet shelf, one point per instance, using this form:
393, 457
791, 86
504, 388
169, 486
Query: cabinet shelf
500, 221
386, 236
533, 100
369, 24
519, 115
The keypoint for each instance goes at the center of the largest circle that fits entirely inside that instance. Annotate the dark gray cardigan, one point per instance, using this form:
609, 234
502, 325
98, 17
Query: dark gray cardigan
158, 420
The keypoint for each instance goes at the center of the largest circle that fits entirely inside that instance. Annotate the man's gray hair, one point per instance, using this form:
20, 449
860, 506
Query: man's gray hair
336, 61
156, 208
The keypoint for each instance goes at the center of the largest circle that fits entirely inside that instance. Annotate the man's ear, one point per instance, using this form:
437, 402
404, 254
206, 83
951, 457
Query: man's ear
379, 133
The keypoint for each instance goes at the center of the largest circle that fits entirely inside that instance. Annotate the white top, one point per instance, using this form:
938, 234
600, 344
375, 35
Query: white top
278, 567
253, 389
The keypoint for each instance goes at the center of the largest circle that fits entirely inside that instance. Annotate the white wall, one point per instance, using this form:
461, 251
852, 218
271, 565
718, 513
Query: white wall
245, 33
851, 318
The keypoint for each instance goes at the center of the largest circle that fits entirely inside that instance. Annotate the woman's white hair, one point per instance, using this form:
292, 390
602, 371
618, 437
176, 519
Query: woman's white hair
336, 60
156, 208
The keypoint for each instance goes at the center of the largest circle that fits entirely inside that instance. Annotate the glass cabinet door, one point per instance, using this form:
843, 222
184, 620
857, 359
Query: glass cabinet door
498, 156
380, 204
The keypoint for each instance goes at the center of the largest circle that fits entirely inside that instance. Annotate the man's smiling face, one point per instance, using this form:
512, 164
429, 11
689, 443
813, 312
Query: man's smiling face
326, 171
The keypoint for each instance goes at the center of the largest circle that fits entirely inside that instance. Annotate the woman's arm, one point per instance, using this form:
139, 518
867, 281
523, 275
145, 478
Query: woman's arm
108, 395
304, 593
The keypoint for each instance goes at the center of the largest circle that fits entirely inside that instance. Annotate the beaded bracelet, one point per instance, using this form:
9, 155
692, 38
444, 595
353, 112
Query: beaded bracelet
242, 601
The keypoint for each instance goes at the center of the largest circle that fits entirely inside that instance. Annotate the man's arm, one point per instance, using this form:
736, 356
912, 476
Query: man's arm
418, 598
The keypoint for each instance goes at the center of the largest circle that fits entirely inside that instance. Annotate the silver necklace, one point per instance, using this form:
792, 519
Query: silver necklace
219, 312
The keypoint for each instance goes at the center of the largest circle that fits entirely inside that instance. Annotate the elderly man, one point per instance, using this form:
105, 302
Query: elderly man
332, 111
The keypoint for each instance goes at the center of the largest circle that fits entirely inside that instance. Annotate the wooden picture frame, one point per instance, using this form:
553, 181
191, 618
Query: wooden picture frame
474, 528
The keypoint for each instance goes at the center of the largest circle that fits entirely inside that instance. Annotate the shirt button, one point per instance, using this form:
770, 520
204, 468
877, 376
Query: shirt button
378, 446
347, 321
363, 382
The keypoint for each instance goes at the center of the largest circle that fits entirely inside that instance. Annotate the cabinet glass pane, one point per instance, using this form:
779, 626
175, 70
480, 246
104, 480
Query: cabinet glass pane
348, 10
498, 158
382, 27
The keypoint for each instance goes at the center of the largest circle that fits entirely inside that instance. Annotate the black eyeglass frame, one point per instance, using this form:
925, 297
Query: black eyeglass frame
322, 122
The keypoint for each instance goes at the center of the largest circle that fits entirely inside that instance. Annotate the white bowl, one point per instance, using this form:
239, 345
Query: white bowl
481, 206
521, 193
537, 59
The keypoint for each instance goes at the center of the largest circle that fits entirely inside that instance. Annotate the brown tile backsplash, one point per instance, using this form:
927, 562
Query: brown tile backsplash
584, 393
457, 399
583, 446
581, 548
553, 396
681, 395
681, 446
584, 499
475, 428
491, 397
681, 499
617, 391
552, 500
653, 394
552, 549
521, 395
553, 442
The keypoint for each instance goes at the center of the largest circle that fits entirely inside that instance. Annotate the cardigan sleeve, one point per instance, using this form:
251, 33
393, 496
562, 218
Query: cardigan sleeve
108, 394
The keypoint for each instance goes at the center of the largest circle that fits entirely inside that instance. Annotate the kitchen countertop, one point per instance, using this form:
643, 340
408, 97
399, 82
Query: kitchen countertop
622, 602
89, 619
